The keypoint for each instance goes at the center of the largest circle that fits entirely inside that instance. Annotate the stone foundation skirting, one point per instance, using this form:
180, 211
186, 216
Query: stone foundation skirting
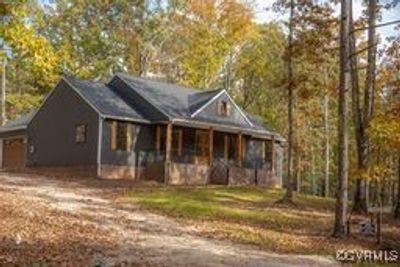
177, 173
188, 174
241, 176
121, 172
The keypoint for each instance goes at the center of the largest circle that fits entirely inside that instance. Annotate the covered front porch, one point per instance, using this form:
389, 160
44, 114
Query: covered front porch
210, 155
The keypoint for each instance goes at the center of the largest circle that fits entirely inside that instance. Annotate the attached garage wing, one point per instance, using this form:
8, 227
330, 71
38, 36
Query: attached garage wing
14, 153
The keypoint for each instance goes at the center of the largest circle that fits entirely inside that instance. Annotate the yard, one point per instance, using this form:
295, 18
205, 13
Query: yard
78, 222
251, 215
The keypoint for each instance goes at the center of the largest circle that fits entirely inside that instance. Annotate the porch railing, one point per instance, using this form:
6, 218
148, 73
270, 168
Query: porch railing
191, 156
150, 156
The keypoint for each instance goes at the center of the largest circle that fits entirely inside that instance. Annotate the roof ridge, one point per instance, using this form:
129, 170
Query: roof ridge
161, 82
69, 78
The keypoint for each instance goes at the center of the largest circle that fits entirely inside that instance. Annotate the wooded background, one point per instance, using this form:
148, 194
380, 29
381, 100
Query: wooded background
286, 72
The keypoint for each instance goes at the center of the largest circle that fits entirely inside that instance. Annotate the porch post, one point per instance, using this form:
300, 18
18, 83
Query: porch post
226, 148
239, 150
273, 156
158, 138
168, 152
243, 150
210, 146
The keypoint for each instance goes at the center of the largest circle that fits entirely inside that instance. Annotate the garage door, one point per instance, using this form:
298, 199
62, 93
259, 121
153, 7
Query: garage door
14, 153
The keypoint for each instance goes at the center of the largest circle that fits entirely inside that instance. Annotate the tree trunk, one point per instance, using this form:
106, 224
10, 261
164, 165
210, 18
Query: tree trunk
141, 32
362, 120
327, 145
313, 180
397, 209
3, 91
359, 205
298, 174
288, 197
340, 228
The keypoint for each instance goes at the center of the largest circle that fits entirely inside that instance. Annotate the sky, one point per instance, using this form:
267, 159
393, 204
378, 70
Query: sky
262, 15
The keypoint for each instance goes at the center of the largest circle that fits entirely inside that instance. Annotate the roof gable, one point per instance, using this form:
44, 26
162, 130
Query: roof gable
209, 110
198, 100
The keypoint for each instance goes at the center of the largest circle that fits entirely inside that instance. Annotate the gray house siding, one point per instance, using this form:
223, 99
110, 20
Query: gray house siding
51, 132
143, 141
210, 111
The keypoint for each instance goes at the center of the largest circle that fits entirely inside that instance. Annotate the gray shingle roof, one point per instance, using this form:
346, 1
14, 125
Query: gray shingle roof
178, 102
104, 99
171, 99
174, 101
19, 123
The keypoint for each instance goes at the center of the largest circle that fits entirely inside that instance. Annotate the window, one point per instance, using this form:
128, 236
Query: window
80, 133
223, 108
121, 136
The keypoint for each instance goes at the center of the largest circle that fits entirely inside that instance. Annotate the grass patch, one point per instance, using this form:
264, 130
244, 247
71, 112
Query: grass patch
251, 215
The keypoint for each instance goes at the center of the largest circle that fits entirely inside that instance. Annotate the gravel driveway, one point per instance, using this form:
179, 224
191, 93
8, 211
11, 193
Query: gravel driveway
77, 222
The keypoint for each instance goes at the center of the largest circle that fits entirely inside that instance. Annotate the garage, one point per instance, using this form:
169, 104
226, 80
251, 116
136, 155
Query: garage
13, 143
14, 153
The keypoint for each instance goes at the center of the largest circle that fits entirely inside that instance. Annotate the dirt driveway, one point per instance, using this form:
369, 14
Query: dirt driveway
78, 223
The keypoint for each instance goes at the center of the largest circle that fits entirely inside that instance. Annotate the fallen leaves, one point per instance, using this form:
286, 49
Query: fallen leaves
32, 233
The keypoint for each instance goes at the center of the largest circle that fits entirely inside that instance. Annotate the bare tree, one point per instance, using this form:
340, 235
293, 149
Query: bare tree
342, 194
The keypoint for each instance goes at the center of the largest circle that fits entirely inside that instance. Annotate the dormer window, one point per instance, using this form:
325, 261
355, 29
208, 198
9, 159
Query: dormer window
223, 108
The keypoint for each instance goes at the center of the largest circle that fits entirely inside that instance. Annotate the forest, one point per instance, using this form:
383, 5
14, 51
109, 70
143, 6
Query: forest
328, 80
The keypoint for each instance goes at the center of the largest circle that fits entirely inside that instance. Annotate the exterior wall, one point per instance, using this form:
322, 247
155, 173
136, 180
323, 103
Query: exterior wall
144, 141
51, 132
210, 111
